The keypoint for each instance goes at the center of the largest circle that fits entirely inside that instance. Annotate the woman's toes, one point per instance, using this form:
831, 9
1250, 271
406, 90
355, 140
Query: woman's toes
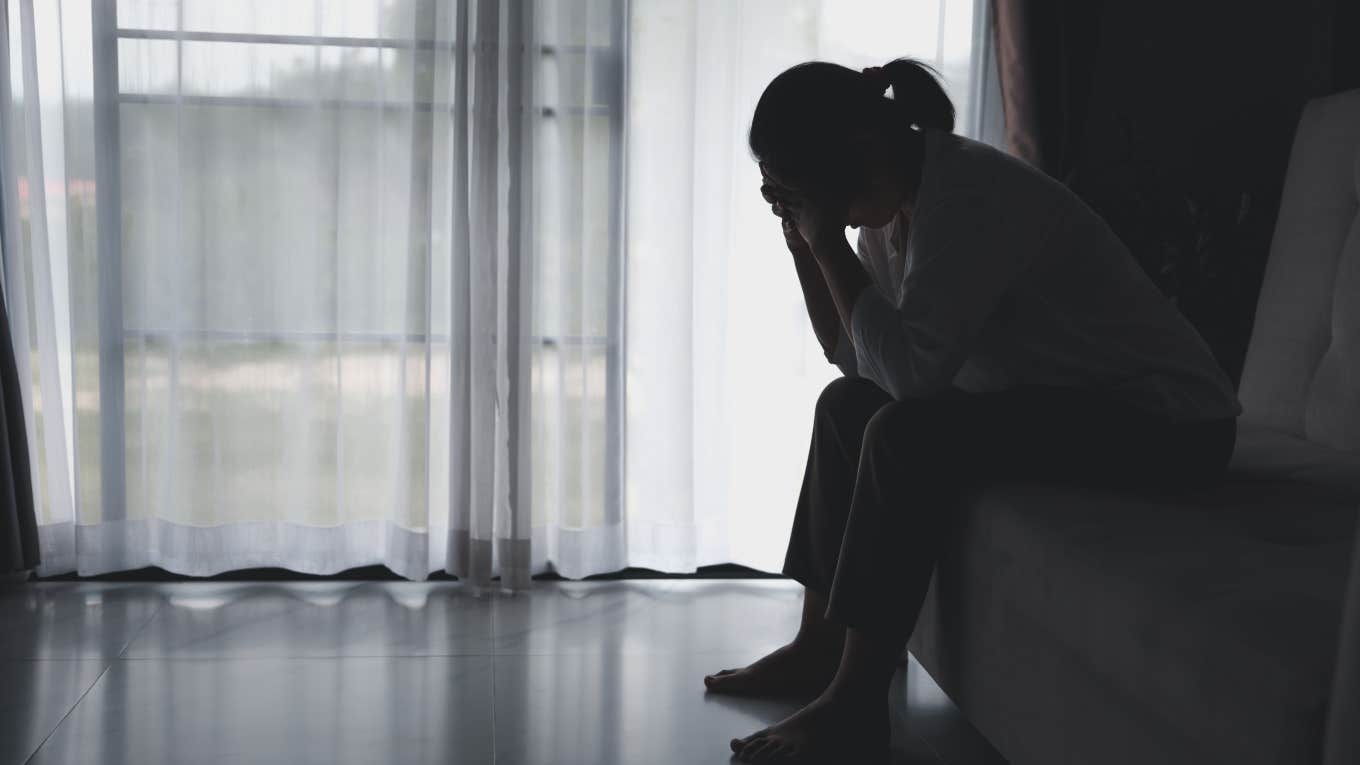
755, 752
718, 679
739, 744
766, 753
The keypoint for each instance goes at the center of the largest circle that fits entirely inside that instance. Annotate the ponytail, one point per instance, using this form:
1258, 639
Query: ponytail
916, 91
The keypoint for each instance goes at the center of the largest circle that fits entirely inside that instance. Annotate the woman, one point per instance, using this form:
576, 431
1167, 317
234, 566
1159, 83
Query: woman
991, 327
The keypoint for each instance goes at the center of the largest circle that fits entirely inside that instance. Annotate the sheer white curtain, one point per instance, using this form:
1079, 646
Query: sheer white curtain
578, 68
722, 366
476, 285
269, 276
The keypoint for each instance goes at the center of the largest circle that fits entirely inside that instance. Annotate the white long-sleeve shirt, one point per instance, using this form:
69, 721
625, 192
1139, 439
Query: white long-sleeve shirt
1004, 277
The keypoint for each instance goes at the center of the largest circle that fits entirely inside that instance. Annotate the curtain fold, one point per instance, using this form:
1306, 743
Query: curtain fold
1045, 55
268, 283
18, 518
19, 550
580, 70
18, 522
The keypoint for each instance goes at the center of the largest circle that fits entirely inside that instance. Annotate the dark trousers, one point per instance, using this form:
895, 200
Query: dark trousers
885, 478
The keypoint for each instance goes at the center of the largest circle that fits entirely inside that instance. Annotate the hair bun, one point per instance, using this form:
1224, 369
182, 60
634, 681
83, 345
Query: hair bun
918, 92
878, 78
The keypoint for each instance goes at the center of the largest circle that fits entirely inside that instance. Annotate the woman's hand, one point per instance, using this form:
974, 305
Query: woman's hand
795, 241
792, 239
810, 219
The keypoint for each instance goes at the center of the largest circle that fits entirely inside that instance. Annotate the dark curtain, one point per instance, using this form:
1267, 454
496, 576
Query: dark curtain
1174, 121
18, 522
1045, 58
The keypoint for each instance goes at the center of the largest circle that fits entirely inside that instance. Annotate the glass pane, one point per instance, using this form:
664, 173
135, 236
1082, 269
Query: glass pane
271, 220
337, 18
575, 244
576, 23
311, 433
569, 434
148, 66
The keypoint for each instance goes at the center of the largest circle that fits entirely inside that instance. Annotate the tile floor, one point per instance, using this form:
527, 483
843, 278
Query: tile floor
576, 673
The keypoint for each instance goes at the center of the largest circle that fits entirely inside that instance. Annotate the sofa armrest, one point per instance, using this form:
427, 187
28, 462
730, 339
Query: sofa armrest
1343, 719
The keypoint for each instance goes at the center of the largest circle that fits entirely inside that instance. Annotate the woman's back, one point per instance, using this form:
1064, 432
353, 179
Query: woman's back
1052, 295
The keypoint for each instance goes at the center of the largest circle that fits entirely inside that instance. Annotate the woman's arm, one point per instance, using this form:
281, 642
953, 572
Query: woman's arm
821, 308
843, 274
965, 259
822, 229
964, 262
833, 336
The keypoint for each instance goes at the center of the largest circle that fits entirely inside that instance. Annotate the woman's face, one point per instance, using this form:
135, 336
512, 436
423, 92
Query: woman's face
877, 203
877, 192
882, 191
874, 208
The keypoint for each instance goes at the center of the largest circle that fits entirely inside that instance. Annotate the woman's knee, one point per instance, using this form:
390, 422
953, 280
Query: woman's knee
914, 428
853, 397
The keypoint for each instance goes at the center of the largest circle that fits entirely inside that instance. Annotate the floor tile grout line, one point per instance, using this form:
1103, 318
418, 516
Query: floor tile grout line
107, 666
45, 659
121, 653
296, 657
495, 734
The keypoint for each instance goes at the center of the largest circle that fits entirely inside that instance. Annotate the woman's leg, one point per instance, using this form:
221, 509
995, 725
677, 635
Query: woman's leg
903, 467
805, 665
918, 459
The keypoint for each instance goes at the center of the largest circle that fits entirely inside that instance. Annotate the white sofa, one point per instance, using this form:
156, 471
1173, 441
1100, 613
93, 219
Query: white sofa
1082, 627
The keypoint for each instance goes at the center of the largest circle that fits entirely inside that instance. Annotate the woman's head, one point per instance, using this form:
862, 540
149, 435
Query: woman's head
826, 130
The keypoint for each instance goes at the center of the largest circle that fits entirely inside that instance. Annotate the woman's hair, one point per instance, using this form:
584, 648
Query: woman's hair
805, 120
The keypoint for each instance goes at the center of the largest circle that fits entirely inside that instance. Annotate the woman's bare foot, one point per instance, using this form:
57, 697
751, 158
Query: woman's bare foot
832, 728
802, 669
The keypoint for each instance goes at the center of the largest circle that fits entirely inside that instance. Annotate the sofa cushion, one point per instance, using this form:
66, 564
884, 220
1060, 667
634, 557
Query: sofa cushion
1302, 372
1208, 620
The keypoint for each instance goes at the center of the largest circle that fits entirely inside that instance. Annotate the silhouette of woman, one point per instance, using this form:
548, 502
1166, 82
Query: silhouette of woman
991, 326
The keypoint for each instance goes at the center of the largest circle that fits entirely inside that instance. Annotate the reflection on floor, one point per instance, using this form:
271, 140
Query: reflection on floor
577, 673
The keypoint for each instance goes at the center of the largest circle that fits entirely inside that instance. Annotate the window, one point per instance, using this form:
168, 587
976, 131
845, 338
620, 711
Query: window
578, 257
273, 182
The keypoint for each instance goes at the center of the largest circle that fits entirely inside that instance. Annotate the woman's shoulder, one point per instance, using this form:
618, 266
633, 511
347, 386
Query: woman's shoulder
970, 177
962, 164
